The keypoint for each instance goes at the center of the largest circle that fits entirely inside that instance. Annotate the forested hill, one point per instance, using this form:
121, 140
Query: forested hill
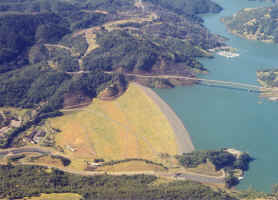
188, 7
257, 24
46, 45
268, 77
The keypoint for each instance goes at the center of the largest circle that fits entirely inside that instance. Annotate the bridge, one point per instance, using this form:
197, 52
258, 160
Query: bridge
202, 81
208, 82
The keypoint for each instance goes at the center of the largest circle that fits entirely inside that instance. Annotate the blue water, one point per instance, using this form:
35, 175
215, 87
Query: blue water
219, 117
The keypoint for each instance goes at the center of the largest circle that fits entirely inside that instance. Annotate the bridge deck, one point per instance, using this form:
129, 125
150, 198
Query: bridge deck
230, 84
206, 81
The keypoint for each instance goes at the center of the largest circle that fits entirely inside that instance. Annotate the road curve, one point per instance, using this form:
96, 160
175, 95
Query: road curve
182, 136
24, 150
181, 176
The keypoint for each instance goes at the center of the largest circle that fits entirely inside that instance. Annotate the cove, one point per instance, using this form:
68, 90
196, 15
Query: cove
221, 117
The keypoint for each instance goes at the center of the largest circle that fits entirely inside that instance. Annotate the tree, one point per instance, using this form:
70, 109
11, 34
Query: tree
274, 190
230, 181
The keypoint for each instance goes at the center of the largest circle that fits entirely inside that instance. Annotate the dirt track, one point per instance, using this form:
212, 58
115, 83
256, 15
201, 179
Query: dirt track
182, 135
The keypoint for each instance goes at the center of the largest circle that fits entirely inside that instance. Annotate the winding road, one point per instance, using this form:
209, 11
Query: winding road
24, 150
182, 136
180, 176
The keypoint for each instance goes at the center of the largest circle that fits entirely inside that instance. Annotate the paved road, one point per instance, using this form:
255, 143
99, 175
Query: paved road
24, 150
201, 178
180, 176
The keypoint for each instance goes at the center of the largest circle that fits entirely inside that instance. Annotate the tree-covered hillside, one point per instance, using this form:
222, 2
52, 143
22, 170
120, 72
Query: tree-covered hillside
188, 7
41, 84
268, 77
258, 24
24, 181
18, 32
46, 47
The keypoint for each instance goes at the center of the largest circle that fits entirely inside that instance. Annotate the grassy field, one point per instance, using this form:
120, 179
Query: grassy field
206, 169
132, 166
62, 196
48, 160
131, 126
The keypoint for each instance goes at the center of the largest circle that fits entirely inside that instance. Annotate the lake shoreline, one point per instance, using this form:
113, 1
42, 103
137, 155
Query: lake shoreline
221, 118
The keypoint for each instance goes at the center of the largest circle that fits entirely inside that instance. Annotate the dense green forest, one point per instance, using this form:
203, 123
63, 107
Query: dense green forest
221, 159
188, 7
23, 181
259, 23
120, 48
26, 23
40, 83
19, 32
40, 44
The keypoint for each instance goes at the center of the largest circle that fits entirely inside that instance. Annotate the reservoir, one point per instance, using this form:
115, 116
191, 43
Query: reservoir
221, 117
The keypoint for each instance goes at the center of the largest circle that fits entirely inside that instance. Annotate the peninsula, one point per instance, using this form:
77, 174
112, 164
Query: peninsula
254, 24
268, 78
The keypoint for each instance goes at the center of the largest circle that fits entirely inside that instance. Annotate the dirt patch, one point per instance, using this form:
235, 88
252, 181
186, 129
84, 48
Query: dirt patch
75, 100
112, 92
